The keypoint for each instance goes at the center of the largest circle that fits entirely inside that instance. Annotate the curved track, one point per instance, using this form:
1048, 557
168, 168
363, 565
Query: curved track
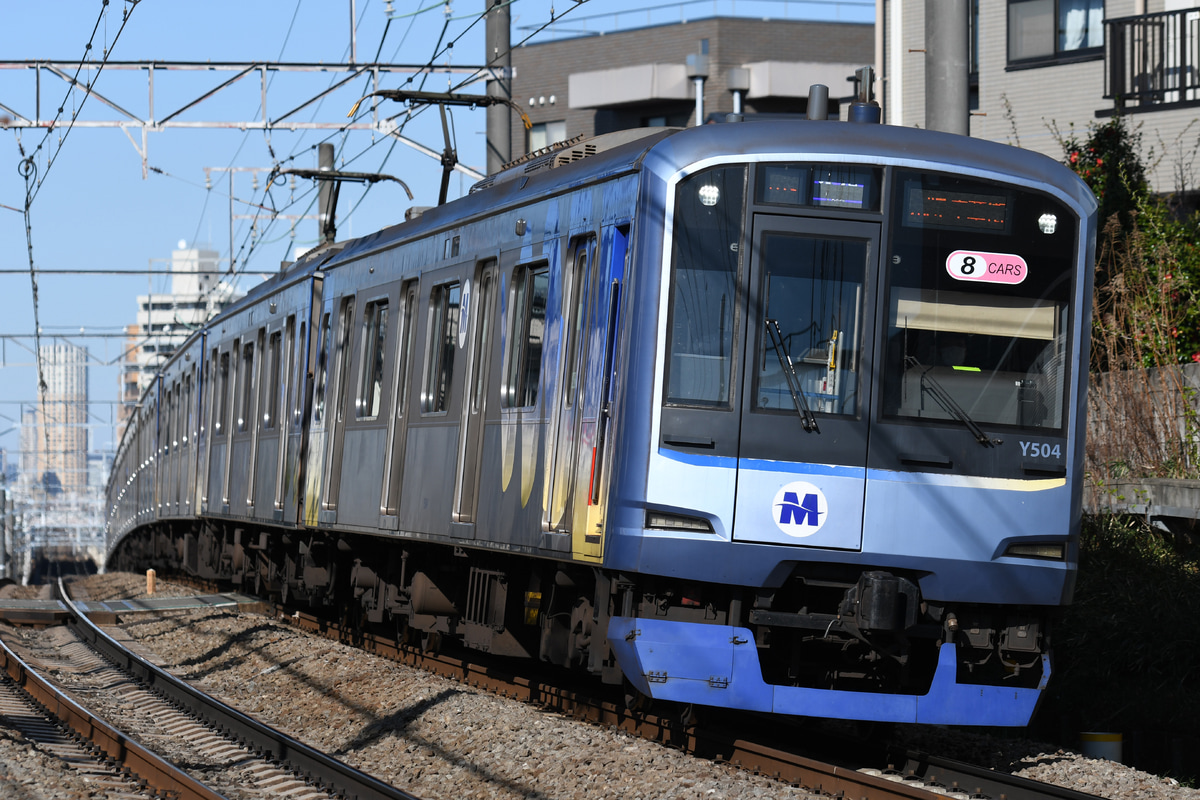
44, 713
897, 774
334, 776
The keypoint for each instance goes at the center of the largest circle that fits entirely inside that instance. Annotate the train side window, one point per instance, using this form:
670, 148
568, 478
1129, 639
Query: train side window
245, 380
576, 322
527, 329
370, 371
345, 331
222, 399
486, 321
187, 418
705, 260
408, 329
323, 348
299, 373
443, 342
270, 399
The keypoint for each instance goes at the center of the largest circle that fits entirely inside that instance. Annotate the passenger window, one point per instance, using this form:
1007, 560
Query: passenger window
577, 321
246, 383
222, 389
407, 332
270, 399
187, 409
346, 320
443, 341
300, 365
370, 387
527, 329
485, 340
323, 348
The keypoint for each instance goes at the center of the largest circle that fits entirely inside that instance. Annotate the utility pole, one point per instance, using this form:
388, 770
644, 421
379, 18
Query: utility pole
947, 52
499, 60
325, 204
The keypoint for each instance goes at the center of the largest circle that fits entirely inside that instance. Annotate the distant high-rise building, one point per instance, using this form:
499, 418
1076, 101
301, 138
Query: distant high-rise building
164, 321
54, 434
28, 471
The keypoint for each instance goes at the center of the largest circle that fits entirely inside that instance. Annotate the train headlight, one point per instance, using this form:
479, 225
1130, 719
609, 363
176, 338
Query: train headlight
1047, 223
1051, 550
709, 195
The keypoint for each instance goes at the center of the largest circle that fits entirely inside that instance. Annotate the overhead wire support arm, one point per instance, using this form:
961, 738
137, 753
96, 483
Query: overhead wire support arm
443, 99
337, 177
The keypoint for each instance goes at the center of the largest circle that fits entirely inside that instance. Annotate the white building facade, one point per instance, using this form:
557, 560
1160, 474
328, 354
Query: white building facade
1047, 69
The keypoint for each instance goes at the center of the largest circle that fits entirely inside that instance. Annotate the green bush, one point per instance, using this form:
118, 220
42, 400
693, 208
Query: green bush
1126, 650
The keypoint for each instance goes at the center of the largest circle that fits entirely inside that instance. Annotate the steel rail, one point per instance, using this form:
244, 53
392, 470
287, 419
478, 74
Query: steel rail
335, 775
919, 776
907, 775
146, 765
980, 779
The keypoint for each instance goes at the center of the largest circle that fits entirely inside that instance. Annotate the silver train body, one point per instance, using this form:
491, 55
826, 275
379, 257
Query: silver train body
778, 416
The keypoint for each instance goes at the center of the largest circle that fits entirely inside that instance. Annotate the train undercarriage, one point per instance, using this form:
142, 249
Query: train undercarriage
826, 627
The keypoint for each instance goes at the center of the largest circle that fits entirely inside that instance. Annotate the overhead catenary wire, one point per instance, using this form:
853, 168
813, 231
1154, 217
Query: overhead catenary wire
248, 247
29, 171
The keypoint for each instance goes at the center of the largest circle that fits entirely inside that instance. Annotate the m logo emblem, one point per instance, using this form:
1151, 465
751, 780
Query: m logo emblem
800, 509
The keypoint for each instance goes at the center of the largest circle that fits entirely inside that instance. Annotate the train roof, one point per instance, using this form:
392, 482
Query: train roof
849, 141
666, 151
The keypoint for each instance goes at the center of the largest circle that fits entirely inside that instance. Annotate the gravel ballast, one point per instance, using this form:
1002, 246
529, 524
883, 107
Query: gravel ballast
438, 738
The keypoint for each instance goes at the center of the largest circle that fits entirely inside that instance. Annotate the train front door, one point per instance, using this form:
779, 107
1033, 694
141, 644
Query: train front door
802, 448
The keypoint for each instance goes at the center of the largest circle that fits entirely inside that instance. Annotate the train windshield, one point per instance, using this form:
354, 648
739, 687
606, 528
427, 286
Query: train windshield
977, 306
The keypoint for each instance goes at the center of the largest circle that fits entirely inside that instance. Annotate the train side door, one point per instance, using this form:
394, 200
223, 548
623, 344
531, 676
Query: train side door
802, 448
596, 397
339, 380
577, 298
393, 469
470, 448
315, 453
282, 404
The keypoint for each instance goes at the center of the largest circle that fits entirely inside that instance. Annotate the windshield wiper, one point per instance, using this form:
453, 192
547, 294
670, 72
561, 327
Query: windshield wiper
789, 372
948, 403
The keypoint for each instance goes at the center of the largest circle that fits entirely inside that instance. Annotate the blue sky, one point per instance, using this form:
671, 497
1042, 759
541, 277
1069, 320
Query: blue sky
94, 210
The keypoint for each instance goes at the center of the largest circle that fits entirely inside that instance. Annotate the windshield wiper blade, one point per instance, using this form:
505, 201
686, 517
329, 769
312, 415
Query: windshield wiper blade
789, 372
949, 404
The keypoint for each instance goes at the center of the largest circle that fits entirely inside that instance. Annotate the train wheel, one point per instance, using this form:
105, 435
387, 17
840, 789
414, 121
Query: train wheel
635, 701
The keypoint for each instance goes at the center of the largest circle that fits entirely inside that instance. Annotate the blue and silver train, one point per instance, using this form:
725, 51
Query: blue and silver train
784, 416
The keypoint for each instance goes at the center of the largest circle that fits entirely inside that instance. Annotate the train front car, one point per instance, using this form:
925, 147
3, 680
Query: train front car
864, 417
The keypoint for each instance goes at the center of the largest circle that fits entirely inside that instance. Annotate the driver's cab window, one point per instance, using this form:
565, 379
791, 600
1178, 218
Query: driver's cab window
812, 290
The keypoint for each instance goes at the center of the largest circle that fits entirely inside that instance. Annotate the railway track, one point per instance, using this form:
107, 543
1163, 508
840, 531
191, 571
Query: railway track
109, 760
900, 773
229, 748
838, 769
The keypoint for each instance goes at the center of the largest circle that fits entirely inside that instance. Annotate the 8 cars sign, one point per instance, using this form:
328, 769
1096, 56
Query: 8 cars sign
971, 265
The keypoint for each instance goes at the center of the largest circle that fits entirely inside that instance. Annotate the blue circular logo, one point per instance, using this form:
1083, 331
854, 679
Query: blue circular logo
800, 509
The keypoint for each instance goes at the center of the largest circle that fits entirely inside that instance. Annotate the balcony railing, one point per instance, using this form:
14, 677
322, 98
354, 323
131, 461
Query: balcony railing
1153, 59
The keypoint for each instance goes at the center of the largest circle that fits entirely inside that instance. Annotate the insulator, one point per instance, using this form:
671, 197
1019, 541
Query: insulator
254, 181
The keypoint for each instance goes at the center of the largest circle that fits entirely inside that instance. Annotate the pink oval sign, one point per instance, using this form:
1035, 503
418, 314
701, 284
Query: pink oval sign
972, 265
